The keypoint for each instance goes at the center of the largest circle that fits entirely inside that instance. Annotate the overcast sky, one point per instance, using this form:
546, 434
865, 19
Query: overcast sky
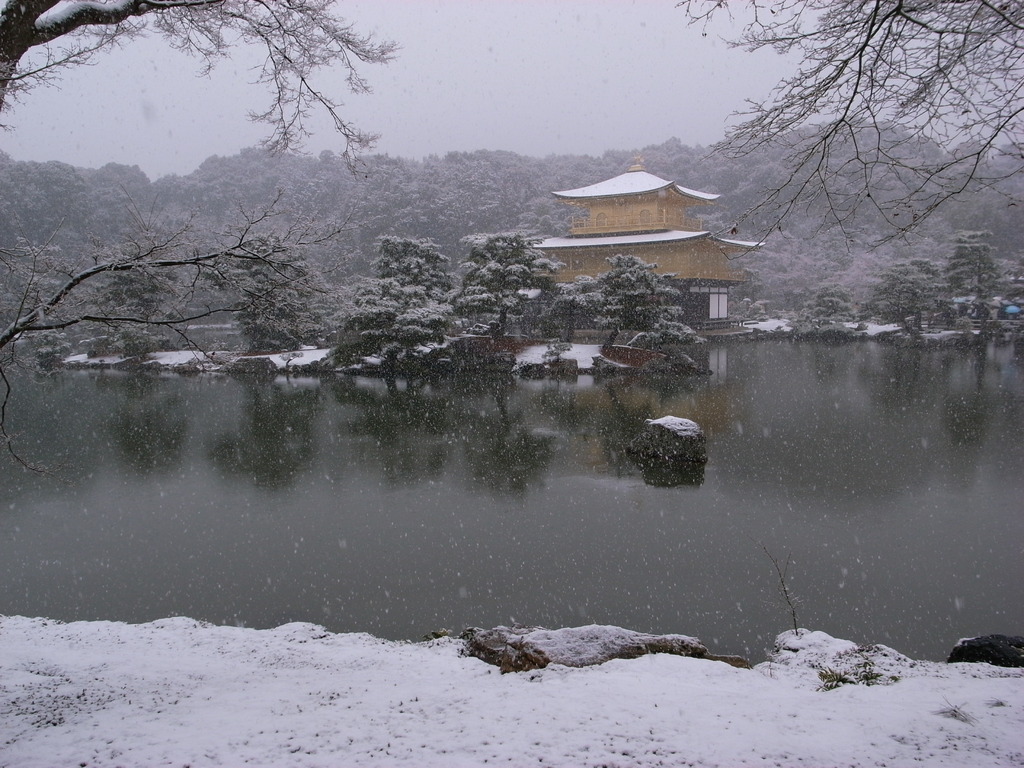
530, 76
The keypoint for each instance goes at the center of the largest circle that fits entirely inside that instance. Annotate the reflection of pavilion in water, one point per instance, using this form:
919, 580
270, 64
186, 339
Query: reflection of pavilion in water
718, 363
610, 413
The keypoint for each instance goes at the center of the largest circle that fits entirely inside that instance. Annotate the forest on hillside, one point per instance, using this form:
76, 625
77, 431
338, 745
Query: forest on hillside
447, 198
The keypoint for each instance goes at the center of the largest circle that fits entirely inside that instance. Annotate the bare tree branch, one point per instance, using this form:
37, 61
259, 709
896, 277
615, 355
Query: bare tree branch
157, 280
881, 85
781, 571
301, 38
168, 279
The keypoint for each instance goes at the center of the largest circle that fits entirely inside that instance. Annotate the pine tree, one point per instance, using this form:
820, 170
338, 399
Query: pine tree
634, 296
500, 272
572, 304
971, 270
414, 263
283, 306
905, 291
406, 306
832, 302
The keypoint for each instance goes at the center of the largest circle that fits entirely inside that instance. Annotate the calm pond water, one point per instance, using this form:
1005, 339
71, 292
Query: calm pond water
893, 479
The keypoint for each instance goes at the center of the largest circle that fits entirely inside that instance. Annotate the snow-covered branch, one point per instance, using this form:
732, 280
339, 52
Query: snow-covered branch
44, 291
301, 40
876, 83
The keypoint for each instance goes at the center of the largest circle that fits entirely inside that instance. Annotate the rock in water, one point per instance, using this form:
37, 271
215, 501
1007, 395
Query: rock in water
670, 440
251, 366
998, 650
520, 649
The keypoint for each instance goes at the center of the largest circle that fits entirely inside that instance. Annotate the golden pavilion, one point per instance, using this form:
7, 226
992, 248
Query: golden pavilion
640, 214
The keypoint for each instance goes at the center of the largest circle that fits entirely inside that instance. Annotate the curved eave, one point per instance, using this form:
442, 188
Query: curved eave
704, 197
620, 241
745, 244
701, 197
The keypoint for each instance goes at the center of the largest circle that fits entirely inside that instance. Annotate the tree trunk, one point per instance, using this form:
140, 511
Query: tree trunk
498, 330
389, 371
8, 66
6, 70
17, 35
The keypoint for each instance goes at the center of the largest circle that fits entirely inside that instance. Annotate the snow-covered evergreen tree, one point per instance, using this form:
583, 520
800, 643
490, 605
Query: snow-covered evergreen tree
665, 332
636, 297
905, 291
283, 305
971, 270
573, 303
414, 263
500, 272
138, 295
832, 302
392, 319
406, 306
50, 349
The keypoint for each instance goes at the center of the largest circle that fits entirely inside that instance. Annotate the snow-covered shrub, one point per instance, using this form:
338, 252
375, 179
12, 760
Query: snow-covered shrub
555, 351
50, 348
136, 340
832, 302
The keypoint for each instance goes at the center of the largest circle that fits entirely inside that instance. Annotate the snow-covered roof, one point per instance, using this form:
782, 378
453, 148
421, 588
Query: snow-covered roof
619, 240
632, 182
739, 243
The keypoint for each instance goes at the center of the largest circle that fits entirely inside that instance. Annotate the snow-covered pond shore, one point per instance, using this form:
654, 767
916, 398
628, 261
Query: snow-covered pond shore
177, 692
316, 361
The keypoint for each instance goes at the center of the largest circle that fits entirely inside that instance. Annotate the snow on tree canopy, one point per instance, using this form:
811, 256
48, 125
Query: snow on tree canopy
406, 306
501, 271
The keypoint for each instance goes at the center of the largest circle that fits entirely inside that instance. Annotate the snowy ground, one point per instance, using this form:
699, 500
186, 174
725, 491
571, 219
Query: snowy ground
869, 330
584, 354
188, 358
786, 326
174, 692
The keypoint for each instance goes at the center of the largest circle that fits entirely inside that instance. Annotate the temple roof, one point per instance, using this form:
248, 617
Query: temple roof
638, 239
633, 182
739, 243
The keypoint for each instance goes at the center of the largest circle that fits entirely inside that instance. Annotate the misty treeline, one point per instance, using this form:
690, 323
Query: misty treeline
447, 198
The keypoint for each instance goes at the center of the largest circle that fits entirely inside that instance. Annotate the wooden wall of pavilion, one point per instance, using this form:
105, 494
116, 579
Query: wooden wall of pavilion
638, 213
703, 259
